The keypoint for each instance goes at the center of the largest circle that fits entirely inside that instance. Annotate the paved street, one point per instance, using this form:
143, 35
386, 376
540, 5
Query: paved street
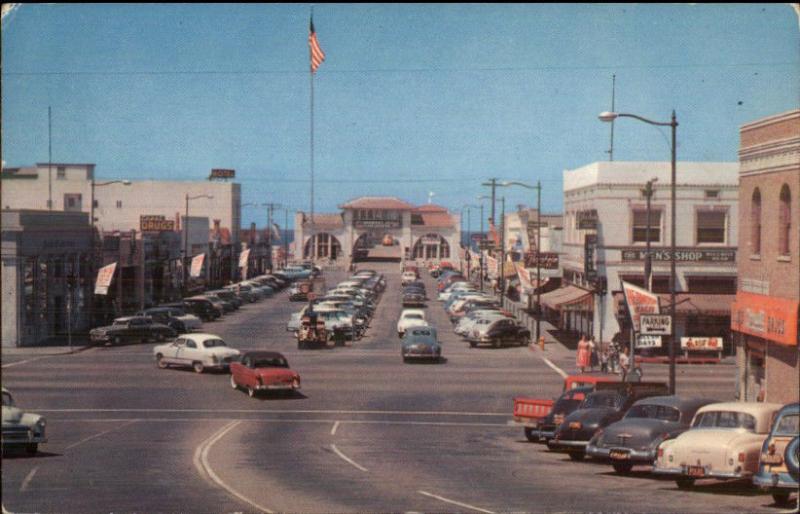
368, 433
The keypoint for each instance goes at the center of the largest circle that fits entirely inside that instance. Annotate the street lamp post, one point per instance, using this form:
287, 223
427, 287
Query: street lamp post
648, 259
469, 238
186, 239
673, 124
94, 240
538, 188
482, 197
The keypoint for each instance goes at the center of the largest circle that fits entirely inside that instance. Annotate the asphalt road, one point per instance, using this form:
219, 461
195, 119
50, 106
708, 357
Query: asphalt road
367, 434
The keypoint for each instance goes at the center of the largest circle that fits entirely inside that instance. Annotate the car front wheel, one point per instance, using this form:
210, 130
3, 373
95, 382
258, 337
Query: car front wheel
198, 367
529, 435
117, 339
623, 468
781, 498
32, 448
160, 362
576, 456
684, 482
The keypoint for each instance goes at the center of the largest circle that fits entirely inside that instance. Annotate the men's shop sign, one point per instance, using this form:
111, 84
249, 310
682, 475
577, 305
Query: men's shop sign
681, 255
765, 316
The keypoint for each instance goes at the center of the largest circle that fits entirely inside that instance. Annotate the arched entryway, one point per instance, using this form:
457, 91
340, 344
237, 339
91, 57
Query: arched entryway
431, 246
322, 246
377, 246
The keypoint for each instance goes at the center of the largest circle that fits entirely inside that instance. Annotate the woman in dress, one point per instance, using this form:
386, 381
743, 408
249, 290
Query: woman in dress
582, 359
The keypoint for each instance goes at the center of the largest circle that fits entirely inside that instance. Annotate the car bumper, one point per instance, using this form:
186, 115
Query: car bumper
421, 355
630, 455
770, 481
707, 473
276, 387
566, 445
14, 437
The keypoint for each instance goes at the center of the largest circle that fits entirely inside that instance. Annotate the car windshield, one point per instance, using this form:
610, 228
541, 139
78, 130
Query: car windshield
118, 323
788, 425
602, 400
7, 400
273, 362
724, 419
413, 316
662, 412
212, 343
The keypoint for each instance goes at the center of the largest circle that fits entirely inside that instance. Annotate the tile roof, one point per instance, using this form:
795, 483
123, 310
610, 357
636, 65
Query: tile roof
429, 207
377, 202
325, 220
437, 219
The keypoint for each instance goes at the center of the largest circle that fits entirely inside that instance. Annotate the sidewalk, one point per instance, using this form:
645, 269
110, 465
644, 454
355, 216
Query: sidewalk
52, 346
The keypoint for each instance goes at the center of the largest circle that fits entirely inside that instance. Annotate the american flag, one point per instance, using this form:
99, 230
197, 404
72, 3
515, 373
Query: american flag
317, 55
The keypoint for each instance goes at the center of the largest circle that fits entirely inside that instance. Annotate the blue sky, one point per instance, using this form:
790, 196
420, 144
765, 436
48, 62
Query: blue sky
411, 98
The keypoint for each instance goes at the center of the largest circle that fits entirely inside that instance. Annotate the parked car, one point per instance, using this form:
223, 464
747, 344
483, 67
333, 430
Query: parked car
724, 443
421, 343
163, 315
189, 320
264, 371
244, 292
20, 428
650, 421
410, 318
607, 404
203, 308
200, 351
226, 305
132, 328
407, 277
778, 468
499, 332
413, 297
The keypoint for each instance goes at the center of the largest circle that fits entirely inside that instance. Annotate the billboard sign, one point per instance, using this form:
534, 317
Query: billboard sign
708, 344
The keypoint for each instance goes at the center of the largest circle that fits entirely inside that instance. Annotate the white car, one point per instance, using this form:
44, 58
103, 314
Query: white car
408, 277
20, 428
467, 323
410, 318
200, 351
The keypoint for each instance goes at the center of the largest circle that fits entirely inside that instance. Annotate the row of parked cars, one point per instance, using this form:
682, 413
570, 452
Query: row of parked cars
476, 316
628, 424
342, 313
167, 321
418, 339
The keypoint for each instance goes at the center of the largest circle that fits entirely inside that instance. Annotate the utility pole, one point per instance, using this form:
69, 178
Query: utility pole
49, 160
648, 259
493, 184
502, 278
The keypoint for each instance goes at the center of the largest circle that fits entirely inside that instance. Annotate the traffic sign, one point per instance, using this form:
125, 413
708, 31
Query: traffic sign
655, 324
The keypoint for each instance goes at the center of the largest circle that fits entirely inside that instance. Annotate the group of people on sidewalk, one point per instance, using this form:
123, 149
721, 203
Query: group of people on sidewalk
590, 356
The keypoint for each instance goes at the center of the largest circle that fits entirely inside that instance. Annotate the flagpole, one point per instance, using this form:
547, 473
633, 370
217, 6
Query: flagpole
311, 80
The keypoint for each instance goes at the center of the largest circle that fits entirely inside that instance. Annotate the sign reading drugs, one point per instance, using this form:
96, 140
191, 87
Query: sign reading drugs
639, 301
656, 324
197, 265
155, 223
104, 277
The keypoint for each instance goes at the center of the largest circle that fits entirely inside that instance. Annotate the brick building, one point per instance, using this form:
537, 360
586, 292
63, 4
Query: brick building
764, 317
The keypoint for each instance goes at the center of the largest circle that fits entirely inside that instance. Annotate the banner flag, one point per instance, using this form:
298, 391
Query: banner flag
104, 277
197, 265
640, 301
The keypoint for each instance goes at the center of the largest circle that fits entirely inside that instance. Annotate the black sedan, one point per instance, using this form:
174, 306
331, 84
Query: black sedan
635, 439
563, 407
129, 329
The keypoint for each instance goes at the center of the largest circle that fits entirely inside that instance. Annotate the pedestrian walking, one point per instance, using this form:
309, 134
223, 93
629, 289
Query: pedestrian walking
592, 354
582, 359
604, 357
624, 363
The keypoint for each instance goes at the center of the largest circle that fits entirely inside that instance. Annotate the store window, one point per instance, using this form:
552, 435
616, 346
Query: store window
640, 226
61, 172
755, 222
784, 221
711, 227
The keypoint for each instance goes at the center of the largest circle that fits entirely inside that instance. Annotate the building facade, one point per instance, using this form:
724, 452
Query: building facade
384, 228
605, 240
46, 281
765, 315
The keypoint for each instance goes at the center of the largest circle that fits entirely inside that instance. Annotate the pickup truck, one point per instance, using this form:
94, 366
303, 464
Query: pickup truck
535, 414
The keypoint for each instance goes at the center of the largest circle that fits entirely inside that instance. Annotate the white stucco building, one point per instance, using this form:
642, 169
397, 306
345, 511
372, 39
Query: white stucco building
118, 207
373, 227
604, 201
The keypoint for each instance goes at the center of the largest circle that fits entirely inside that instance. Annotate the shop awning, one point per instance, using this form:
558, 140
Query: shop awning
692, 303
567, 298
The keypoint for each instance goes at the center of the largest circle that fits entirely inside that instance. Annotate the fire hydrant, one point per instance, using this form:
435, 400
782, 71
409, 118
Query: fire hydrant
541, 343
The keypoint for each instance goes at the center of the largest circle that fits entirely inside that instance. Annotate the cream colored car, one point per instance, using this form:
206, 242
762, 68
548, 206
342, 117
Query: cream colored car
724, 443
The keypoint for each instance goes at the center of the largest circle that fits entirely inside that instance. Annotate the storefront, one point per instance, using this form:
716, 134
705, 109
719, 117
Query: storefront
766, 332
46, 280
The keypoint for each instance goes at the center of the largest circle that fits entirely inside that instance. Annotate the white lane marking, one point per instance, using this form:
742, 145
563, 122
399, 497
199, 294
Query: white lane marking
104, 432
12, 364
201, 463
335, 426
246, 411
27, 481
556, 368
347, 459
5, 511
465, 505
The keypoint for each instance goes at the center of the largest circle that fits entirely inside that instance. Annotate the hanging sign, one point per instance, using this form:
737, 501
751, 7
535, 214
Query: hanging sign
644, 341
197, 265
104, 277
656, 324
640, 301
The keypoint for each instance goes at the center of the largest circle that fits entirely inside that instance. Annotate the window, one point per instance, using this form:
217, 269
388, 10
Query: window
119, 204
190, 344
784, 221
711, 285
61, 172
711, 226
712, 193
640, 226
755, 222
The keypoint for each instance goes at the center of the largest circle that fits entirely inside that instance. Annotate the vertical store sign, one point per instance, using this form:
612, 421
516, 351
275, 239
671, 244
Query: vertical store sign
589, 252
197, 265
104, 277
639, 301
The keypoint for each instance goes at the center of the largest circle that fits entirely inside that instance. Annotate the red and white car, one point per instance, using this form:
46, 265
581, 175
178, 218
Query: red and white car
264, 371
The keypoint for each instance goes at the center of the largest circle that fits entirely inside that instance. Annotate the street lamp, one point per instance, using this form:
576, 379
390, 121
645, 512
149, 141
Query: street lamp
538, 188
91, 225
673, 124
469, 238
186, 239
